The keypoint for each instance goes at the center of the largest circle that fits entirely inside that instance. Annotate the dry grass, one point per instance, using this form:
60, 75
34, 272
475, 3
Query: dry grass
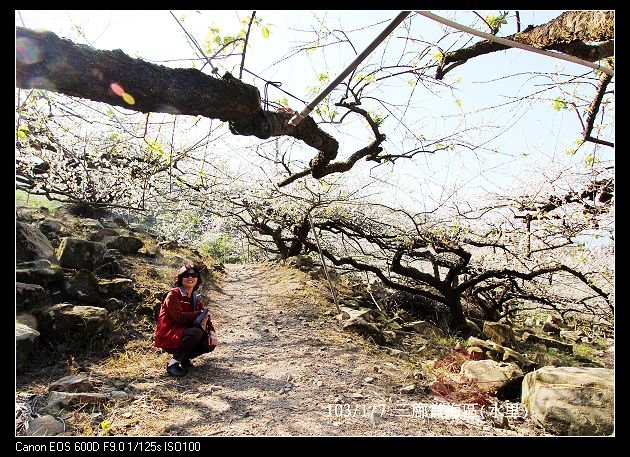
451, 386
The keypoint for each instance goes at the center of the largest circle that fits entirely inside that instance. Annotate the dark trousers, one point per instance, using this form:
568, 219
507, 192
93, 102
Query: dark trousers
194, 343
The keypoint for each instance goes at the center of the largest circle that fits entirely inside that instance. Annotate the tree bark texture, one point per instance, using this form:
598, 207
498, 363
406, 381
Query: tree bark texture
567, 33
45, 61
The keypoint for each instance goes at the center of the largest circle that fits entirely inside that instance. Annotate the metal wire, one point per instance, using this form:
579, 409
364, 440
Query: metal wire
321, 256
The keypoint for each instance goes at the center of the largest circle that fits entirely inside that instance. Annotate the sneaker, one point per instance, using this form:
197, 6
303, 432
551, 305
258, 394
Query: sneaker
176, 370
186, 364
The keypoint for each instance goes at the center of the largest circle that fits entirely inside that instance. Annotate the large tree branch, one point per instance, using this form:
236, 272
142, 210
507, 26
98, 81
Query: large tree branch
321, 166
593, 110
360, 266
509, 273
45, 61
566, 33
370, 150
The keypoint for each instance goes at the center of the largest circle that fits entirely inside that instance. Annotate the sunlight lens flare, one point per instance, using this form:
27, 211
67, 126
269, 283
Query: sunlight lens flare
118, 90
129, 99
27, 51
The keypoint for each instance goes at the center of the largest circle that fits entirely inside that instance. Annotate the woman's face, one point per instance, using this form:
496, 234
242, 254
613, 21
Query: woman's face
189, 279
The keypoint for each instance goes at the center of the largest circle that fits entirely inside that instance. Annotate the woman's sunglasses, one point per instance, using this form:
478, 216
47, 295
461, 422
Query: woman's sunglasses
188, 275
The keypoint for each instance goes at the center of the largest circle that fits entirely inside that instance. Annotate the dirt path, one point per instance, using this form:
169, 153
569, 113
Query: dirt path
284, 367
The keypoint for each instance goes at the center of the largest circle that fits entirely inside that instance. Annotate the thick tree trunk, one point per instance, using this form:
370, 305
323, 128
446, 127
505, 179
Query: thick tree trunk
300, 232
45, 61
456, 319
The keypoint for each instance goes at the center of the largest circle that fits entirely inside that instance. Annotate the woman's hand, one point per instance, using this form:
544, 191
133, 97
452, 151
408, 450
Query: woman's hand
212, 339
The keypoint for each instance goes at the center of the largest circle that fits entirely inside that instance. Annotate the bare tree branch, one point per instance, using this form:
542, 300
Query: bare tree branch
249, 27
592, 110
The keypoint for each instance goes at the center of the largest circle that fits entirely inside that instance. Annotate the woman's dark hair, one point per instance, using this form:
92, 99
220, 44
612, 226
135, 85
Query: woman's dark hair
184, 269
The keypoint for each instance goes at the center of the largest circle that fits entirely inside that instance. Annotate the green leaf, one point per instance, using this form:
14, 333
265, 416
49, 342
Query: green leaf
369, 78
22, 131
559, 104
589, 161
156, 146
106, 426
265, 31
495, 22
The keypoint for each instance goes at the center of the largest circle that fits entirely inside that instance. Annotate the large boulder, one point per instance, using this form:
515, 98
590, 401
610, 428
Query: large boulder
83, 286
87, 225
78, 326
30, 214
52, 227
556, 321
102, 234
489, 375
45, 425
301, 262
116, 288
574, 336
499, 333
548, 342
32, 244
424, 328
58, 401
124, 244
499, 353
29, 296
24, 341
571, 400
351, 313
28, 319
551, 329
77, 253
493, 350
41, 272
510, 355
365, 328
72, 384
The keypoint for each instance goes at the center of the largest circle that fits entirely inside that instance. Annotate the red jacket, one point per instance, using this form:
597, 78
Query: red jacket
177, 313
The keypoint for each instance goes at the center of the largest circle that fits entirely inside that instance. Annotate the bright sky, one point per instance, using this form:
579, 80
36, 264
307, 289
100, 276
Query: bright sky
515, 136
